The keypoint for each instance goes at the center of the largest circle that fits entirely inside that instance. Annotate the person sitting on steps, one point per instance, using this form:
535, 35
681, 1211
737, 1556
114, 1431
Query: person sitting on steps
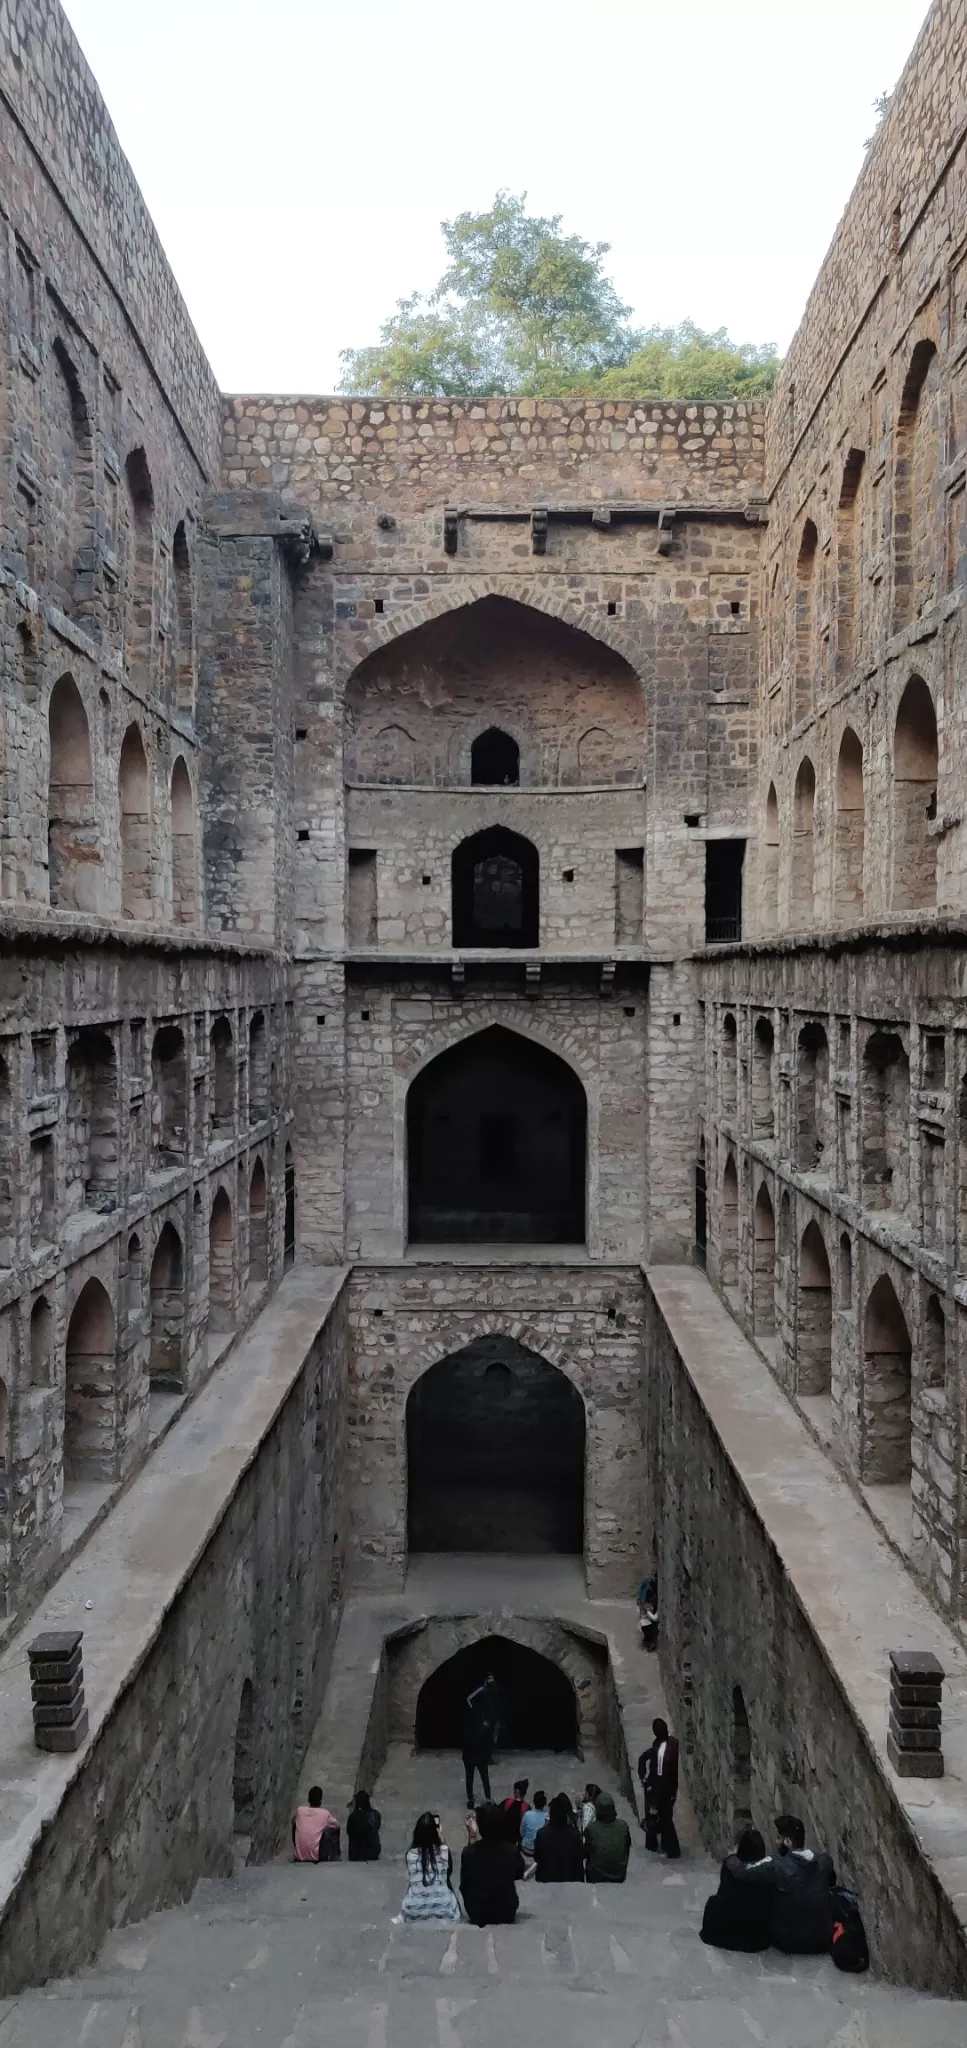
802, 1922
558, 1848
514, 1809
534, 1819
591, 1793
489, 1870
607, 1844
428, 1895
739, 1914
362, 1830
309, 1824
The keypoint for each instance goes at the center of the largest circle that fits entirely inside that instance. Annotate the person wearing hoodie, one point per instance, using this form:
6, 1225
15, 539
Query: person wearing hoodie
739, 1915
802, 1922
607, 1844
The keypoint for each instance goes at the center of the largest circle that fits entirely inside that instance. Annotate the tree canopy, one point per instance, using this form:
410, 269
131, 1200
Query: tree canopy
523, 308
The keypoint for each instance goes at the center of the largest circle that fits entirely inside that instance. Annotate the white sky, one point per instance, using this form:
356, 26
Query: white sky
298, 155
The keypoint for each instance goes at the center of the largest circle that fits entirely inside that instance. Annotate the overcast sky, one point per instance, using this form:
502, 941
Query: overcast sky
298, 155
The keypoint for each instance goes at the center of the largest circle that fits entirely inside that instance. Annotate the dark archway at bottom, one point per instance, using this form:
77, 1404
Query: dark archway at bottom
538, 1707
495, 1453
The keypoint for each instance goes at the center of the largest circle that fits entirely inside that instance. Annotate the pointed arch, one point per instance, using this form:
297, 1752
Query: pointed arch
89, 1418
139, 625
167, 1290
221, 1265
915, 522
764, 1265
258, 1219
134, 804
729, 1226
763, 1078
803, 903
850, 831
814, 1314
805, 618
770, 863
915, 772
887, 1356
849, 555
496, 1145
72, 850
494, 758
182, 624
184, 858
70, 509
495, 877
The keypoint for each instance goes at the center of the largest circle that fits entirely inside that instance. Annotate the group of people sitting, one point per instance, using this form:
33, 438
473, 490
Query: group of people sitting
787, 1901
508, 1843
316, 1834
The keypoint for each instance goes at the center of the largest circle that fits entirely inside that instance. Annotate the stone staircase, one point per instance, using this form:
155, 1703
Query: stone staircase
288, 1956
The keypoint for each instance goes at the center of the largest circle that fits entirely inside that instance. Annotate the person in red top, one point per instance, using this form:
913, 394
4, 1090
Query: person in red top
308, 1823
514, 1809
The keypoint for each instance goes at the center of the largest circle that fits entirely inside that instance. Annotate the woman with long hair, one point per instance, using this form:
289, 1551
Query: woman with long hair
428, 1895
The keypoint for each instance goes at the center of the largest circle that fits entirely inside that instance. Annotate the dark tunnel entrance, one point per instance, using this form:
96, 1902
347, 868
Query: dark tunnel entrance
495, 1441
496, 1133
538, 1707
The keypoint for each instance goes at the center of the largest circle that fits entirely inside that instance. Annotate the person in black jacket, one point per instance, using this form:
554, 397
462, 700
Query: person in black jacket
802, 1922
739, 1914
489, 1870
658, 1771
559, 1848
362, 1830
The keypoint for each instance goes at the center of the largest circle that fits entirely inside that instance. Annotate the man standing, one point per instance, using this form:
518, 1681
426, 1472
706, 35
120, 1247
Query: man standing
480, 1735
658, 1771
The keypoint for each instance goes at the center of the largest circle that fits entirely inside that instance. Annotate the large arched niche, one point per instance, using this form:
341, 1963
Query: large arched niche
495, 1453
496, 1145
416, 705
538, 1703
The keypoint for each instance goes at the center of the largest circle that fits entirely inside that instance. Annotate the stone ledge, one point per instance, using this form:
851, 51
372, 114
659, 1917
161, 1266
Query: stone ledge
144, 1553
855, 1597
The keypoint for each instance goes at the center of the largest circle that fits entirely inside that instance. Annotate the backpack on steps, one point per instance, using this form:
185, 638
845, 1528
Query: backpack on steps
848, 1944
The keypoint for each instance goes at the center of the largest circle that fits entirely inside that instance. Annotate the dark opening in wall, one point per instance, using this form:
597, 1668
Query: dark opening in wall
537, 1704
723, 890
495, 758
701, 1208
495, 1453
496, 1145
362, 909
496, 890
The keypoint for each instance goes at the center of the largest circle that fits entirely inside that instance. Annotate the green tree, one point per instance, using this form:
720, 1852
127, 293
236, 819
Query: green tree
686, 362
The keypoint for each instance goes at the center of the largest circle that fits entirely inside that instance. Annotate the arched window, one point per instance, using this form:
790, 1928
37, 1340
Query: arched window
258, 1220
916, 539
812, 1101
886, 1458
92, 1122
394, 755
494, 758
135, 811
497, 1143
41, 1343
184, 862
849, 552
169, 1092
222, 1076
729, 1232
167, 1289
850, 829
597, 756
139, 633
934, 1345
770, 864
814, 1315
763, 1079
258, 1068
496, 890
915, 766
885, 1122
729, 1064
71, 833
844, 1296
803, 905
182, 624
288, 1241
764, 1265
70, 505
89, 1422
221, 1265
805, 607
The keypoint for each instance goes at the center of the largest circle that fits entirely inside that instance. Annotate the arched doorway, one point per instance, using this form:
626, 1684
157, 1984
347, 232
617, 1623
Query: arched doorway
496, 890
496, 1145
495, 1444
538, 1706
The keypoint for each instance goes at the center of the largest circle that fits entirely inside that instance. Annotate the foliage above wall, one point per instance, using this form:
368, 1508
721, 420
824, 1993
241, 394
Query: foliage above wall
523, 308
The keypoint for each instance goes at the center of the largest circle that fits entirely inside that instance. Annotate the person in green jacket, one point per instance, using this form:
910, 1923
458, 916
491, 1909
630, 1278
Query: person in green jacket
607, 1844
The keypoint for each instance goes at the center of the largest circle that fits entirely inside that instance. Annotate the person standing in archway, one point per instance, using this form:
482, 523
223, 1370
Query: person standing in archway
480, 1735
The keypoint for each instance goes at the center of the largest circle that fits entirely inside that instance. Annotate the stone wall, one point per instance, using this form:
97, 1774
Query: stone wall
206, 1733
584, 1320
756, 1671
